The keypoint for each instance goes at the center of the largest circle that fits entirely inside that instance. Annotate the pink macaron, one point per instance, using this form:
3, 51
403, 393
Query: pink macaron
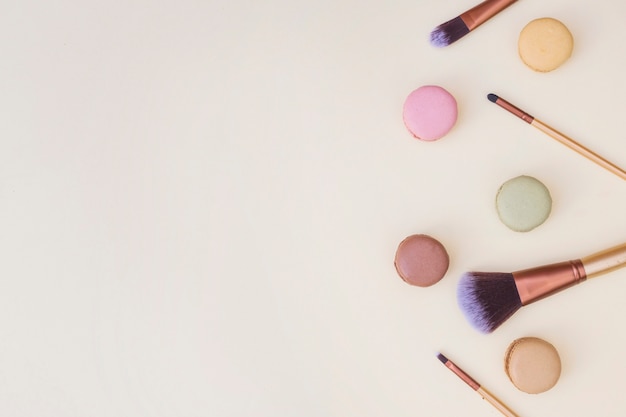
429, 112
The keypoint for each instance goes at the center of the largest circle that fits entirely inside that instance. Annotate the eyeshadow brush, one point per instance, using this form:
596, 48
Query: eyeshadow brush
454, 29
487, 396
560, 137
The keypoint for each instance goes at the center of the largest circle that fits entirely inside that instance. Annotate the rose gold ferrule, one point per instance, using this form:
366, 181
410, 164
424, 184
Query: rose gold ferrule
479, 14
499, 405
537, 283
461, 374
514, 110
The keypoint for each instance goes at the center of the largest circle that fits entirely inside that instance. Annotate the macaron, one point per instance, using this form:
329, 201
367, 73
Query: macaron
421, 260
429, 112
523, 203
532, 364
545, 44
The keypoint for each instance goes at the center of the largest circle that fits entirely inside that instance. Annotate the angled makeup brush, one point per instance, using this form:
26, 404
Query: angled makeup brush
453, 30
487, 396
553, 133
488, 299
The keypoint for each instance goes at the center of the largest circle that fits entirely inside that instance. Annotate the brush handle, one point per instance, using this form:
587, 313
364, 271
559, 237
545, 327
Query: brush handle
605, 261
558, 136
487, 396
479, 14
535, 284
572, 144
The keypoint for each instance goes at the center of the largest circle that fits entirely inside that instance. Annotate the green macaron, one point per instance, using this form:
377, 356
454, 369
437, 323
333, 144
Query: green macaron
523, 203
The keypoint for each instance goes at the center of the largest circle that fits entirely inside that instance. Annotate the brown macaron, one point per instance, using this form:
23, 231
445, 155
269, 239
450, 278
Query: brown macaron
421, 260
532, 364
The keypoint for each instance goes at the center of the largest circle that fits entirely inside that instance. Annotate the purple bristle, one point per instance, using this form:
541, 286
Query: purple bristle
488, 299
449, 32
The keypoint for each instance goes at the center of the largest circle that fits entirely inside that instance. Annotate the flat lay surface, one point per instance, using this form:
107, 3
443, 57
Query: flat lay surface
201, 202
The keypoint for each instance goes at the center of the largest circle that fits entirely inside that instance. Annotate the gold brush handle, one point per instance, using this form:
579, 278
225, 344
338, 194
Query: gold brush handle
496, 403
605, 261
572, 144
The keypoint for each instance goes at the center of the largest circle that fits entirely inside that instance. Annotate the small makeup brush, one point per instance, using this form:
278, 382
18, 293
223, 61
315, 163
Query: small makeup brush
488, 299
487, 396
553, 133
453, 30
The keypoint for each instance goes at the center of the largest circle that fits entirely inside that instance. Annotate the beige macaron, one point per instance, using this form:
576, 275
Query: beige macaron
545, 44
532, 364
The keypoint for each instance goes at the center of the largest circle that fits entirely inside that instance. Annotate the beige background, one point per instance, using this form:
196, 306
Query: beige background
200, 202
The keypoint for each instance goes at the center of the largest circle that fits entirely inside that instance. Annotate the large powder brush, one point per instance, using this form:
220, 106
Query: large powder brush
488, 299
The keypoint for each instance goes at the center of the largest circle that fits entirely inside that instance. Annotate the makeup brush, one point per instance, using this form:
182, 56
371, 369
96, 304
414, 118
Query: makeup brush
453, 30
570, 143
476, 386
488, 299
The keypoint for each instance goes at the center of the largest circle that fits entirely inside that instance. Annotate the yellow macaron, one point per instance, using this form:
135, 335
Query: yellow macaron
545, 44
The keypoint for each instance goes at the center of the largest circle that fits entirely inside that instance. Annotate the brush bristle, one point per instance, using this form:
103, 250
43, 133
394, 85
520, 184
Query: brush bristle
488, 299
449, 32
